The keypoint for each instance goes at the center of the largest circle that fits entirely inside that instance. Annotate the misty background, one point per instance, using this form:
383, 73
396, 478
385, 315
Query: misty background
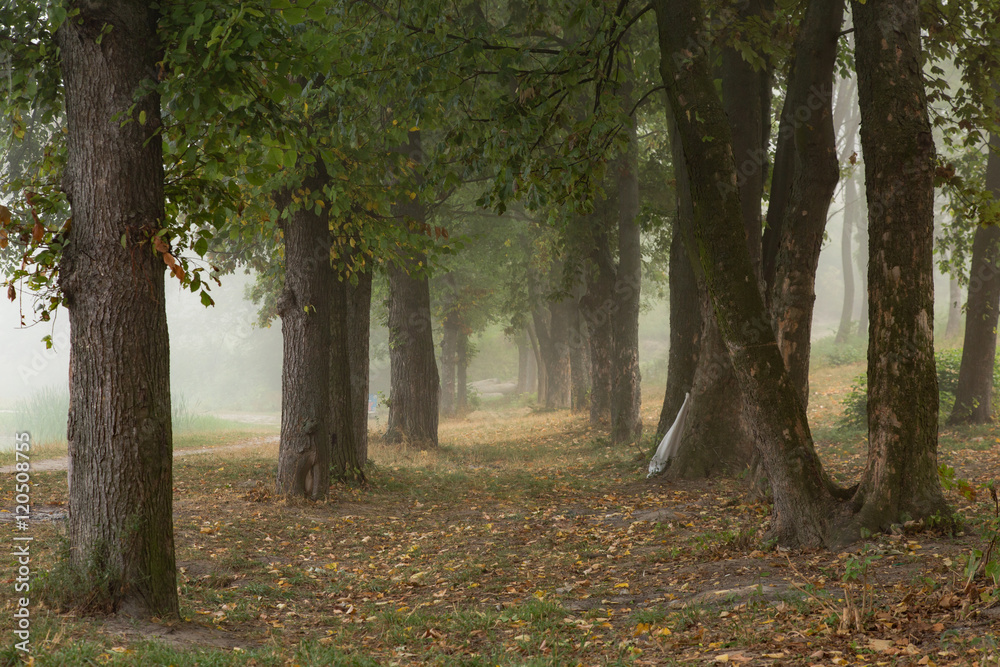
222, 362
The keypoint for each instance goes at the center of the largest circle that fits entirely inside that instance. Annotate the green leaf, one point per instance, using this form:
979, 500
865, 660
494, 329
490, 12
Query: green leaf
201, 247
206, 300
274, 156
294, 15
142, 117
289, 159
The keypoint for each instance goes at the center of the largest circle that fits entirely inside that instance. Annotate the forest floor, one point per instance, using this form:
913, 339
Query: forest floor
526, 540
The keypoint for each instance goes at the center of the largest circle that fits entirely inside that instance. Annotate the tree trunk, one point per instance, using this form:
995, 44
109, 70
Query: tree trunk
716, 438
808, 115
846, 260
746, 97
120, 478
461, 373
685, 315
626, 396
449, 359
598, 308
359, 304
349, 333
974, 395
524, 359
954, 326
414, 393
536, 349
305, 310
901, 476
579, 359
554, 345
802, 493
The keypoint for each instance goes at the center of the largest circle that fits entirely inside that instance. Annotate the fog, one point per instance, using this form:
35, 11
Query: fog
219, 361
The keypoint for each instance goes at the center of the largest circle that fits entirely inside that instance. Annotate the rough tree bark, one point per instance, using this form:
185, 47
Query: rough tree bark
349, 335
451, 329
597, 306
462, 372
304, 307
359, 308
626, 396
414, 383
685, 320
579, 358
901, 476
536, 350
801, 491
415, 388
553, 342
808, 118
716, 438
974, 395
120, 479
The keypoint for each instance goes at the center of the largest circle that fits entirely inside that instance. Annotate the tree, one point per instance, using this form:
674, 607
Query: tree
807, 506
413, 406
800, 211
304, 307
112, 278
350, 320
974, 394
901, 475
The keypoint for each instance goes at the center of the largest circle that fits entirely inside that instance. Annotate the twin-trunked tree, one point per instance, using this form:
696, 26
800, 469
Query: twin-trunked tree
900, 479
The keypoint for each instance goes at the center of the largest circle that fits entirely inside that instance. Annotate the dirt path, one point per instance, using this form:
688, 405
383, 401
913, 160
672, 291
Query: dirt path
50, 465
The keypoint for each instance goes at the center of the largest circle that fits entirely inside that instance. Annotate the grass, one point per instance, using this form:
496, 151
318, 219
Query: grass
43, 414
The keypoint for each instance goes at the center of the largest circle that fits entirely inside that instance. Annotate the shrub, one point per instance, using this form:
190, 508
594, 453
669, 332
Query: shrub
947, 362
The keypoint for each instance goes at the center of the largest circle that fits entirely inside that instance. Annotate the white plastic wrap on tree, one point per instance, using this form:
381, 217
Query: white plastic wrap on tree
668, 446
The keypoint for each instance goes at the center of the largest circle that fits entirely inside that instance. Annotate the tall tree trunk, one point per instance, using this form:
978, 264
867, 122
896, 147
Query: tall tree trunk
349, 333
954, 326
598, 308
536, 348
462, 372
847, 261
808, 115
746, 98
359, 308
901, 476
685, 316
579, 359
415, 388
554, 344
863, 253
524, 356
715, 439
802, 493
626, 396
974, 395
305, 307
120, 478
449, 359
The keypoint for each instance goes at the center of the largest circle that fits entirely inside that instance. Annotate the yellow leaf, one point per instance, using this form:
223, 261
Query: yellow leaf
414, 129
